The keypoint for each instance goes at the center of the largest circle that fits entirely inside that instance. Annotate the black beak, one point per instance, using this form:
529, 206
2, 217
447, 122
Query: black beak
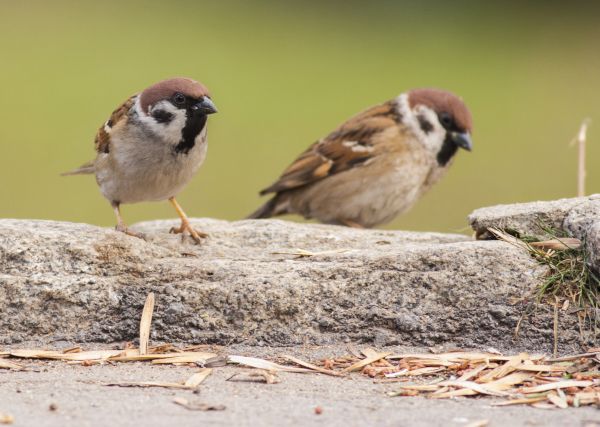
462, 140
205, 106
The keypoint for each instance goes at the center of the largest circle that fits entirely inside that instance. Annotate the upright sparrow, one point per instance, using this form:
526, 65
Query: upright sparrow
151, 147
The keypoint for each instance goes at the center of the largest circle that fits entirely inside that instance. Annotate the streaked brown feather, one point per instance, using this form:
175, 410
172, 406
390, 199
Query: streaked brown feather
348, 146
102, 140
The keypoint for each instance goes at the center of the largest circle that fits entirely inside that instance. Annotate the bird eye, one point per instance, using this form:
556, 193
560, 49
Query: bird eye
446, 120
179, 98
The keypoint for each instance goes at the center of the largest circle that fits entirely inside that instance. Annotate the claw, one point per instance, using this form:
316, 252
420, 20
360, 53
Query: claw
186, 226
121, 225
123, 229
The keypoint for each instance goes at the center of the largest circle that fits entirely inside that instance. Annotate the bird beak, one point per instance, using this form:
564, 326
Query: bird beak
462, 140
205, 106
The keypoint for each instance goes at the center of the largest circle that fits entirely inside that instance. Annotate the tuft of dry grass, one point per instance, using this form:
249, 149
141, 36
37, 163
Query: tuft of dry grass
570, 281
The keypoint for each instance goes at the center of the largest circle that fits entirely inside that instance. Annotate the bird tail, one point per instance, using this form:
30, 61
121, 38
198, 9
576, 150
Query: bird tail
81, 170
275, 206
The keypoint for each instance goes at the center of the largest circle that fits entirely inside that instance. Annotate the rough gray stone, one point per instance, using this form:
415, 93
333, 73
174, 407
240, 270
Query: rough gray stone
582, 217
76, 282
564, 214
578, 217
593, 246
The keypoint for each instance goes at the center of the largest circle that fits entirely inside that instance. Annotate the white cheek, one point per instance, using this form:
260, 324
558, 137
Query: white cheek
171, 132
434, 138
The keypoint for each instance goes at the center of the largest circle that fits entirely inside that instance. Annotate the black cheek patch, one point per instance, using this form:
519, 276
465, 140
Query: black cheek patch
162, 116
447, 151
425, 125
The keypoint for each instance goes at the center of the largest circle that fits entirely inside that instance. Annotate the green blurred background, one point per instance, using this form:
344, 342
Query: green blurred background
283, 75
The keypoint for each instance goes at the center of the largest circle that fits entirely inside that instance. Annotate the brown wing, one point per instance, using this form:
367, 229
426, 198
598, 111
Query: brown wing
102, 141
348, 146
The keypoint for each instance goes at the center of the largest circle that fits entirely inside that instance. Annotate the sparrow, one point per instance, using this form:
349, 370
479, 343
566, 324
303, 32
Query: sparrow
377, 164
151, 147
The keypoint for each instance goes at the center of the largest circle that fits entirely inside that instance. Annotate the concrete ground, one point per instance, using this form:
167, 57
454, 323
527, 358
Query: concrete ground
53, 393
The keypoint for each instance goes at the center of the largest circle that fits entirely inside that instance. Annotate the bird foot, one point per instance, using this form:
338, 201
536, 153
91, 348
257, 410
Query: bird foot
123, 229
186, 226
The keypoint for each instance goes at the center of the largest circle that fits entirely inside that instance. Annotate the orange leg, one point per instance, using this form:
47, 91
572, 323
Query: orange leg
185, 224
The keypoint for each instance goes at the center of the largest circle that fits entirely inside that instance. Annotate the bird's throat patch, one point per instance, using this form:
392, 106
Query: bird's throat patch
447, 151
193, 126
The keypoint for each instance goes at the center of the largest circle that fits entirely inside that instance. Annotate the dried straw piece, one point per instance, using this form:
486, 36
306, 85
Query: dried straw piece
269, 377
190, 384
163, 348
541, 368
255, 362
581, 137
424, 371
187, 357
555, 386
35, 354
300, 253
145, 323
505, 369
311, 366
499, 385
510, 380
396, 374
136, 357
588, 398
456, 357
575, 357
557, 244
505, 237
91, 355
196, 379
523, 401
6, 418
56, 355
182, 401
560, 401
367, 361
146, 384
5, 364
472, 373
479, 388
454, 393
421, 387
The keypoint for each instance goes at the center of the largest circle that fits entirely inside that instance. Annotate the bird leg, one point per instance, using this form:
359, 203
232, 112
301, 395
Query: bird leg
185, 223
121, 226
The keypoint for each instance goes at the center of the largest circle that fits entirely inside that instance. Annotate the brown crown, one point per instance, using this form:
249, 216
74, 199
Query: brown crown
442, 101
166, 88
